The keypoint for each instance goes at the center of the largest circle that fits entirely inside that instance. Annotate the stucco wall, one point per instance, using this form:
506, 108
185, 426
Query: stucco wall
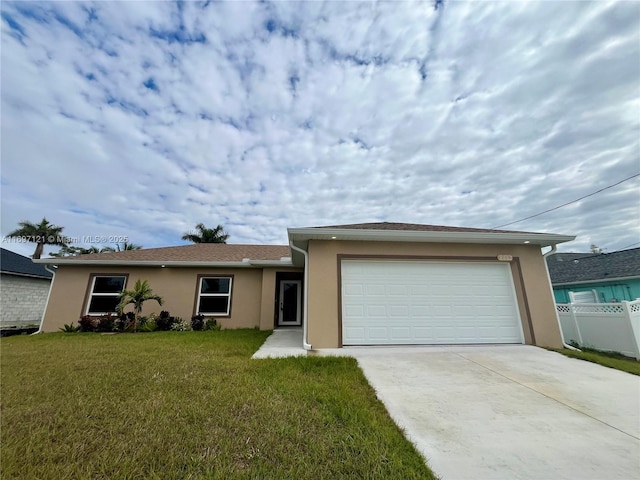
252, 303
22, 299
267, 300
535, 300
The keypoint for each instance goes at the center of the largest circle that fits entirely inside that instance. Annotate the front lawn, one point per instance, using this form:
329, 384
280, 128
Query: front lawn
180, 405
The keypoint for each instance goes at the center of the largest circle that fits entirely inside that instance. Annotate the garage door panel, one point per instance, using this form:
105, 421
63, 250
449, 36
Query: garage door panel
379, 311
355, 289
397, 291
400, 334
463, 310
353, 333
378, 332
428, 303
442, 310
419, 311
354, 312
376, 289
399, 311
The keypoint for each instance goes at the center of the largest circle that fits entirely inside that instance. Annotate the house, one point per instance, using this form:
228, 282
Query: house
24, 287
364, 284
601, 277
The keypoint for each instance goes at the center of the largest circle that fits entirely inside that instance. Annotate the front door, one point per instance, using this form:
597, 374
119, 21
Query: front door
289, 305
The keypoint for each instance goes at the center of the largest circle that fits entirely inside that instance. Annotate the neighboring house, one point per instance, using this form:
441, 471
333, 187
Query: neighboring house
603, 277
363, 284
24, 287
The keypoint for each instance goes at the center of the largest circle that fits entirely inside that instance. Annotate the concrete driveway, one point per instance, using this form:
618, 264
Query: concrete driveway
509, 412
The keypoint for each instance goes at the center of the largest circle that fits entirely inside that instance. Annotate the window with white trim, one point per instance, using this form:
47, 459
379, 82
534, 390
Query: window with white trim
105, 291
214, 296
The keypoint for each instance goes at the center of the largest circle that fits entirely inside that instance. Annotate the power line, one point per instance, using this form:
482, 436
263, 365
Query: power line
569, 203
602, 253
627, 246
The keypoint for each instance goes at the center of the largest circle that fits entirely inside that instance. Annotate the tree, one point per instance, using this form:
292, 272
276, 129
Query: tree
67, 251
596, 249
141, 293
121, 247
41, 234
70, 251
207, 235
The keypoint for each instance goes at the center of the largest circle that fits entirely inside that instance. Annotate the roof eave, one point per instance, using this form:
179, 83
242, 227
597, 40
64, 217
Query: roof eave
28, 275
272, 263
303, 235
247, 263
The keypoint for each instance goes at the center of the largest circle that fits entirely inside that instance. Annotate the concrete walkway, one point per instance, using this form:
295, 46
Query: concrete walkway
501, 412
283, 342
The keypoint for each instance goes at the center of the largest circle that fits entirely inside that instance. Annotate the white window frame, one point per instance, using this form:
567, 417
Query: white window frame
92, 293
228, 295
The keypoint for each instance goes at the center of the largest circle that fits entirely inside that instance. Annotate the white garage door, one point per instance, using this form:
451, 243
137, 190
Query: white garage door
422, 303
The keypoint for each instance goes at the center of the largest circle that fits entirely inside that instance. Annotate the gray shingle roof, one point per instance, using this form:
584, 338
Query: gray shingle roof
12, 263
199, 252
583, 267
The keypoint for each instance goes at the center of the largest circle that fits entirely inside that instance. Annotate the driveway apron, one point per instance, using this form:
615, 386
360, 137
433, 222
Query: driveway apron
509, 412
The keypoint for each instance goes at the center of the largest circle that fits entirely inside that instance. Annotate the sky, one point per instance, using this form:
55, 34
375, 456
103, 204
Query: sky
140, 119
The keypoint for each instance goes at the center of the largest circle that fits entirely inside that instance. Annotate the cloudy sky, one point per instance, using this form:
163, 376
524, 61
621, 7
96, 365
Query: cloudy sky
143, 118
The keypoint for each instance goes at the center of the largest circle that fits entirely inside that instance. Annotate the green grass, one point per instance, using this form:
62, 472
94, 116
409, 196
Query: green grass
187, 405
611, 360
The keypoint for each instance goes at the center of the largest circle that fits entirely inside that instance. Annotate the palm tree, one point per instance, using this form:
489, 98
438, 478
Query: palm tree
141, 293
41, 234
121, 247
207, 235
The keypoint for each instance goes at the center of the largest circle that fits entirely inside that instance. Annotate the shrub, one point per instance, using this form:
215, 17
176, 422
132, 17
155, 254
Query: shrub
164, 321
149, 326
197, 322
106, 323
124, 322
212, 324
87, 324
179, 325
70, 328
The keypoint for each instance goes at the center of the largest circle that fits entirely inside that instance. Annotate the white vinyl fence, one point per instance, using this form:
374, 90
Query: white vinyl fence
613, 327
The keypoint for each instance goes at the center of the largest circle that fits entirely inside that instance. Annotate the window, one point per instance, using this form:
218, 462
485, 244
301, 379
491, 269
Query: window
214, 296
104, 294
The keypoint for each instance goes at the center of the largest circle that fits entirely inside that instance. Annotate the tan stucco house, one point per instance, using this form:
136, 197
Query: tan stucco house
362, 284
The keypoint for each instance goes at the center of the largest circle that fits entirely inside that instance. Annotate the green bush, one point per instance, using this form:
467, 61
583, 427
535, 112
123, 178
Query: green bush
87, 324
197, 322
165, 321
212, 324
180, 325
70, 328
106, 323
149, 326
124, 322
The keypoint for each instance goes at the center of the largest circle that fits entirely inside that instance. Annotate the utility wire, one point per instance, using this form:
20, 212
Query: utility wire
568, 203
627, 246
599, 254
